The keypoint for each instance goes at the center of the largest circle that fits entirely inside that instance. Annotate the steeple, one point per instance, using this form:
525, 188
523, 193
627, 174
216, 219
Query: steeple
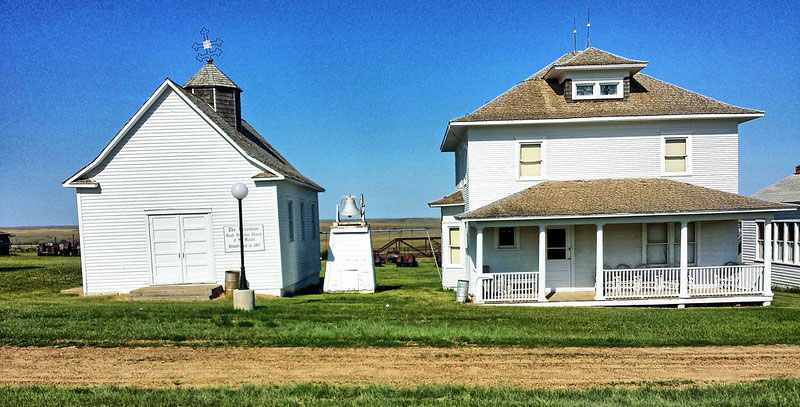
219, 91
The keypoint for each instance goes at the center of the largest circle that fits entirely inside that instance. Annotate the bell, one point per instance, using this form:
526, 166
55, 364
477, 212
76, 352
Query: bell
349, 207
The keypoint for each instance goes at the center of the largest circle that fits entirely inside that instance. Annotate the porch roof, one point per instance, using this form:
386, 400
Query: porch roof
617, 197
454, 199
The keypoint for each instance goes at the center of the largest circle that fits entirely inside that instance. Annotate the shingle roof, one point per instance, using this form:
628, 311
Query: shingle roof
209, 76
785, 190
594, 56
616, 197
252, 143
536, 98
455, 198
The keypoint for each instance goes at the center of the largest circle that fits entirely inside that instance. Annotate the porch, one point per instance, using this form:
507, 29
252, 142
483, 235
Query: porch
625, 287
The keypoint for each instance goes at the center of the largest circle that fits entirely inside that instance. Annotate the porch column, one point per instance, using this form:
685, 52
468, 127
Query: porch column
598, 276
479, 250
768, 257
542, 261
684, 281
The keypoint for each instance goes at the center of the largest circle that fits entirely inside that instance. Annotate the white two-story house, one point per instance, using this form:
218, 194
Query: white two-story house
590, 183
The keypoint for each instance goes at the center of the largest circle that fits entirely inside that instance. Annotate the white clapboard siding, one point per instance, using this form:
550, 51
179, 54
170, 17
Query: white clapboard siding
718, 243
300, 257
173, 161
630, 150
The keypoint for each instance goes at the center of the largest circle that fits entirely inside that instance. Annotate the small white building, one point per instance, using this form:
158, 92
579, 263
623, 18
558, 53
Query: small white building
785, 233
590, 183
155, 208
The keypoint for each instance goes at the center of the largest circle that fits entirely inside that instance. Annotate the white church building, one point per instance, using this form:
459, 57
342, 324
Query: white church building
155, 208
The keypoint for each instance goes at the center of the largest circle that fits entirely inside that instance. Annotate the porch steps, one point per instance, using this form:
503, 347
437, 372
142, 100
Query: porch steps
570, 296
188, 292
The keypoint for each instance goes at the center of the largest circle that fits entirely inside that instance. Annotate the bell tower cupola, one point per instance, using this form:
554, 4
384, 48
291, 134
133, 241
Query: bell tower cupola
216, 89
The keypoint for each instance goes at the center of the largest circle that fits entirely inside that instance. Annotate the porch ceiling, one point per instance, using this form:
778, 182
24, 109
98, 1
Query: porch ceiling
617, 197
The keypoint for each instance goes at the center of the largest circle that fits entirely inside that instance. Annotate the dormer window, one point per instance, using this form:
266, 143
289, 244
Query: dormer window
597, 89
608, 89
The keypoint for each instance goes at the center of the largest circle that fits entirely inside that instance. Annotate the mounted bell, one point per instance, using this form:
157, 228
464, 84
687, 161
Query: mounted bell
349, 207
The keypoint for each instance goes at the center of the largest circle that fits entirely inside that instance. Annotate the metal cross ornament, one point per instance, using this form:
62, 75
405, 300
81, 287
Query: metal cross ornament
210, 48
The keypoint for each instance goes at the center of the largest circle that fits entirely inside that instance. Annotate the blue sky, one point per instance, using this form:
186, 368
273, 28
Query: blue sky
358, 95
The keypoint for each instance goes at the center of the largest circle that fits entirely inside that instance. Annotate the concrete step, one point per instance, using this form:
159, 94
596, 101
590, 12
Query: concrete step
184, 292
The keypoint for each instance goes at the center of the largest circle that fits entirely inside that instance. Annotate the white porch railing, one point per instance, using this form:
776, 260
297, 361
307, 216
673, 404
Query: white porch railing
507, 287
642, 283
726, 280
710, 281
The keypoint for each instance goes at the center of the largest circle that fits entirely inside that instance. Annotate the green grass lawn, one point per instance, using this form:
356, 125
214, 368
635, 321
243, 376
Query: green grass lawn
410, 310
764, 393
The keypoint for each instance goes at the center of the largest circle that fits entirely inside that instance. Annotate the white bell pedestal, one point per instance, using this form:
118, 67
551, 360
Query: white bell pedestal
350, 265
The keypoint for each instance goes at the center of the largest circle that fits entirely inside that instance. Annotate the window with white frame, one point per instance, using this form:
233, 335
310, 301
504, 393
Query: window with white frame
691, 242
454, 245
597, 89
785, 243
530, 160
676, 155
760, 240
290, 208
777, 254
302, 221
659, 237
506, 238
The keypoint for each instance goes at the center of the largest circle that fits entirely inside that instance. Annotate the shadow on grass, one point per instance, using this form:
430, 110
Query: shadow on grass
19, 268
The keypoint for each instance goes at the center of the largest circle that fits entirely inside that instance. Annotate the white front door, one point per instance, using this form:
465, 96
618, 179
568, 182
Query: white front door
181, 249
558, 271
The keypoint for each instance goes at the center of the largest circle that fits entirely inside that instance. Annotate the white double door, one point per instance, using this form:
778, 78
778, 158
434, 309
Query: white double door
181, 250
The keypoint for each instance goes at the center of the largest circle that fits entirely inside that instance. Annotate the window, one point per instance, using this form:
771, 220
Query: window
291, 221
584, 90
659, 237
791, 242
760, 240
314, 223
455, 245
597, 89
608, 89
777, 254
657, 243
675, 156
556, 244
530, 160
302, 221
506, 238
692, 242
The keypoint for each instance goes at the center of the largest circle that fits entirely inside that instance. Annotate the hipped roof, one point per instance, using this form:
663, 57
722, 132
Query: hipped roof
616, 197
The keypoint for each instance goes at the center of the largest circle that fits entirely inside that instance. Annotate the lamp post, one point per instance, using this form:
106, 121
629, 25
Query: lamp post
243, 298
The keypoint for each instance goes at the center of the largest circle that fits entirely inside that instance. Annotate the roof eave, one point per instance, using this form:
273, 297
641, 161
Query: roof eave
558, 71
433, 205
742, 117
624, 215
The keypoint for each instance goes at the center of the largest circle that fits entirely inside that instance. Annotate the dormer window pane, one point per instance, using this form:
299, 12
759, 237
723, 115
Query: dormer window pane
584, 90
608, 89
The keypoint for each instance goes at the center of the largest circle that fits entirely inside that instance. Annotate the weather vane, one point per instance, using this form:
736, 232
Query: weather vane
210, 48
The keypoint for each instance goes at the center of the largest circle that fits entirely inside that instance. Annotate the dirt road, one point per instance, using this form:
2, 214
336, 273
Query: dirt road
539, 367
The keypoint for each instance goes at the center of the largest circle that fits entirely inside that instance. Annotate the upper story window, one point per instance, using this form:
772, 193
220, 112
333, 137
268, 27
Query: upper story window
530, 160
676, 155
597, 89
302, 221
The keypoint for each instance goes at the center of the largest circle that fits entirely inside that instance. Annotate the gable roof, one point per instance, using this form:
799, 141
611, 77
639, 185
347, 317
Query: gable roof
786, 190
617, 197
454, 199
248, 142
536, 98
210, 76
